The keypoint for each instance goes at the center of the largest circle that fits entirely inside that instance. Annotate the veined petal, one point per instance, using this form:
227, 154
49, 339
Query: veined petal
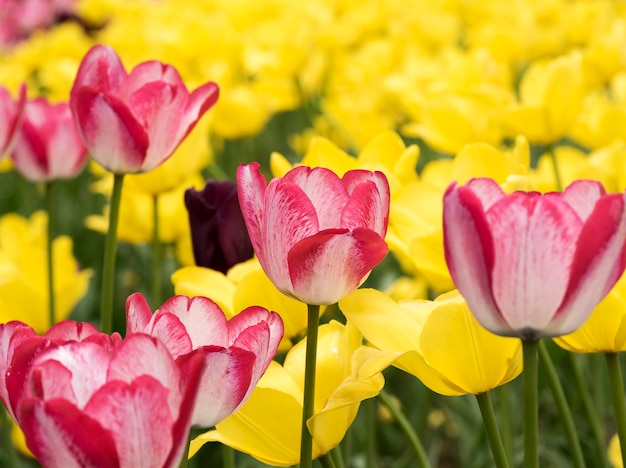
598, 263
171, 332
149, 72
582, 196
138, 313
469, 252
325, 191
199, 101
224, 382
251, 317
100, 69
251, 187
12, 334
111, 133
328, 266
136, 414
202, 318
62, 436
487, 191
367, 207
535, 239
68, 330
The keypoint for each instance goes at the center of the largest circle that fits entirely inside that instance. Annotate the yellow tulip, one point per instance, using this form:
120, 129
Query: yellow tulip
24, 292
267, 426
605, 330
439, 341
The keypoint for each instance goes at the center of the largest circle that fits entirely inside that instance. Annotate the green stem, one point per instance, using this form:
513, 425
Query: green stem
370, 416
157, 256
491, 426
337, 456
308, 404
590, 411
110, 247
50, 208
9, 452
405, 425
228, 457
327, 461
617, 393
576, 452
505, 420
531, 404
555, 167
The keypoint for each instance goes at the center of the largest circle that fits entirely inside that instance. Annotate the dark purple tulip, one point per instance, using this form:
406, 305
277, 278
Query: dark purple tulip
218, 231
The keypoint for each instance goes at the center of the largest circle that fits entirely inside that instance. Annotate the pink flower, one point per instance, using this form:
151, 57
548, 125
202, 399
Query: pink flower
236, 352
317, 236
134, 122
11, 115
48, 146
96, 400
532, 265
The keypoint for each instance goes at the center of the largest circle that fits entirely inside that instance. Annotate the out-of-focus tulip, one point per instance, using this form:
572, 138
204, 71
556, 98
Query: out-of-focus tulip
431, 339
268, 425
75, 382
236, 352
316, 236
218, 231
532, 265
134, 122
48, 146
11, 116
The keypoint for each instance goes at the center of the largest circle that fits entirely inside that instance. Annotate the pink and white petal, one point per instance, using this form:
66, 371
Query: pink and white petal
69, 330
288, 217
138, 417
582, 196
535, 239
224, 382
328, 266
325, 191
138, 313
49, 380
251, 187
365, 208
66, 153
86, 362
12, 334
599, 262
111, 133
352, 179
144, 355
469, 252
487, 190
252, 316
62, 436
203, 319
151, 71
171, 332
101, 69
256, 339
30, 154
198, 102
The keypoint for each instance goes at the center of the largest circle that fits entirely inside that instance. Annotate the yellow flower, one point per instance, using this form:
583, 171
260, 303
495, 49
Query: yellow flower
24, 292
605, 330
267, 426
439, 341
615, 452
551, 94
245, 285
386, 153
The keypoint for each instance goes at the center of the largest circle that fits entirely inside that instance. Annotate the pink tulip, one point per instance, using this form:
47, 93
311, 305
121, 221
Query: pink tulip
96, 400
236, 352
11, 115
48, 146
317, 236
532, 265
134, 122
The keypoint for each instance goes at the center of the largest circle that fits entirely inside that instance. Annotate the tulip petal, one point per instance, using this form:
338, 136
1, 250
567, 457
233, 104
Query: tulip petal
597, 265
62, 436
250, 318
224, 382
116, 140
131, 412
330, 265
535, 237
101, 69
325, 191
202, 318
582, 196
200, 100
12, 334
68, 330
251, 187
138, 313
171, 332
469, 254
366, 208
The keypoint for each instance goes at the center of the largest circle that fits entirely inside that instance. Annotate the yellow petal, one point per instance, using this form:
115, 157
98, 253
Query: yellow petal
199, 281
